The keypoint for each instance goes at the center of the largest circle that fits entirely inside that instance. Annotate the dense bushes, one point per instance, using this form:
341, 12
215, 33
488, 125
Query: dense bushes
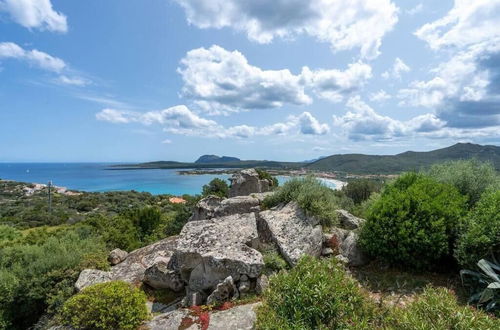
112, 305
217, 187
315, 294
480, 237
470, 177
414, 223
360, 190
37, 277
311, 195
438, 309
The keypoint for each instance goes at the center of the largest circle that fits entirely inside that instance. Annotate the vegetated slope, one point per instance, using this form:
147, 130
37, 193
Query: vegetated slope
234, 164
406, 161
207, 159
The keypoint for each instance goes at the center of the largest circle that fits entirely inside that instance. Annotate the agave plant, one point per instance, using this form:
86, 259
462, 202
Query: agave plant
485, 286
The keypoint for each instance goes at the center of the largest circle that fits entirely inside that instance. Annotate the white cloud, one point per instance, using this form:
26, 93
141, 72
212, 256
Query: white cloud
398, 68
221, 81
181, 120
415, 10
74, 81
380, 96
37, 14
166, 141
468, 22
33, 57
343, 24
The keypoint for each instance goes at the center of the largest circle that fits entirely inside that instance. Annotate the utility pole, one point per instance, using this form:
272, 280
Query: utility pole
50, 197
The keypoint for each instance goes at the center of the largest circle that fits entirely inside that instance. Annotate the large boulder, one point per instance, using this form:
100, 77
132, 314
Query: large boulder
294, 233
224, 291
208, 251
349, 221
159, 276
205, 208
247, 182
352, 252
133, 268
116, 256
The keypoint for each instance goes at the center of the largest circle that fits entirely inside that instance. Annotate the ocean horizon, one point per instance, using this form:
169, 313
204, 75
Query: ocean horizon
99, 177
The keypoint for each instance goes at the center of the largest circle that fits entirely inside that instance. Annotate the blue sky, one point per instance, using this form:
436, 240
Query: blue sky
290, 80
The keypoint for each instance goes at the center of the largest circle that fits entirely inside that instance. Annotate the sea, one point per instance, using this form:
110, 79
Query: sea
101, 177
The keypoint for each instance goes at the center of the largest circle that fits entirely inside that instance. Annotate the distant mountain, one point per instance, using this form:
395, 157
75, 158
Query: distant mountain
214, 159
406, 161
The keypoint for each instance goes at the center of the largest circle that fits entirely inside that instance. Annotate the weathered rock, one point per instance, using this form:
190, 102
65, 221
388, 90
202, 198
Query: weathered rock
262, 284
327, 252
342, 259
116, 256
205, 208
349, 221
334, 238
208, 251
224, 291
247, 182
166, 321
159, 276
90, 277
132, 269
351, 250
294, 233
193, 298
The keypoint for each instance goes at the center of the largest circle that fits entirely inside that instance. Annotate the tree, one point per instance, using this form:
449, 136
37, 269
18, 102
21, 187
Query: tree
216, 187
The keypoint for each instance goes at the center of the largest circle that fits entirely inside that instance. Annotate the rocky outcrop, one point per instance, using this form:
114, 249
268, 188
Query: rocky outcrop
224, 291
159, 276
349, 221
208, 251
205, 208
248, 182
294, 233
350, 249
133, 268
116, 256
344, 244
241, 317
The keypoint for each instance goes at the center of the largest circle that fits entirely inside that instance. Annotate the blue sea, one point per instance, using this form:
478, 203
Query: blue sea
98, 177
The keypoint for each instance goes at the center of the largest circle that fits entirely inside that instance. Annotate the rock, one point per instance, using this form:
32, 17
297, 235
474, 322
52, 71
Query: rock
334, 238
342, 259
351, 250
327, 252
90, 277
262, 284
116, 256
159, 276
294, 233
193, 298
170, 320
205, 208
208, 251
244, 287
349, 221
247, 182
132, 269
224, 291
238, 318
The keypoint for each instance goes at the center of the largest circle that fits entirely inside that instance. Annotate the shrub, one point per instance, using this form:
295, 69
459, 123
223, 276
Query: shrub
437, 308
480, 237
116, 231
471, 177
8, 233
414, 222
264, 175
111, 305
217, 187
273, 261
311, 195
314, 294
146, 219
360, 190
485, 286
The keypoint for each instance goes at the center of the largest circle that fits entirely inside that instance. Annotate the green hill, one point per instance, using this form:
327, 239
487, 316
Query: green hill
406, 161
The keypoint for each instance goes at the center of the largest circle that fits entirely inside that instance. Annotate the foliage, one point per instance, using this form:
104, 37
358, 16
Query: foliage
437, 309
485, 287
361, 209
116, 231
146, 219
311, 195
40, 276
314, 294
8, 233
273, 261
471, 177
480, 236
414, 222
112, 305
217, 187
264, 175
361, 189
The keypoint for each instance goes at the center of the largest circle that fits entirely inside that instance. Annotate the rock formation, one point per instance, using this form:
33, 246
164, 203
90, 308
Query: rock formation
248, 182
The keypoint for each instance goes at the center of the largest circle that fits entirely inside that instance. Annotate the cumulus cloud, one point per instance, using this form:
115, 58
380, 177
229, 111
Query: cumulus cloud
221, 81
181, 120
37, 14
399, 67
343, 24
33, 57
380, 96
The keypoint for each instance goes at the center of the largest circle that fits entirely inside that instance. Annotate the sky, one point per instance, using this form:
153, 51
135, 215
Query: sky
145, 80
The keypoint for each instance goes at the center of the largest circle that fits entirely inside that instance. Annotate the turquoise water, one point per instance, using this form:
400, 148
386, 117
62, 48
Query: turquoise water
98, 177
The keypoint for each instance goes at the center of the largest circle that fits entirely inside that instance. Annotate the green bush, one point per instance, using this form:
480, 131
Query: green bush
360, 190
8, 233
217, 187
315, 294
480, 237
311, 195
471, 177
116, 231
414, 223
273, 261
264, 175
437, 309
111, 305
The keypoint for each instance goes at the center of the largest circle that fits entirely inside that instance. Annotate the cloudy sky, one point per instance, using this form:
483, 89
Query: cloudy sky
142, 80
